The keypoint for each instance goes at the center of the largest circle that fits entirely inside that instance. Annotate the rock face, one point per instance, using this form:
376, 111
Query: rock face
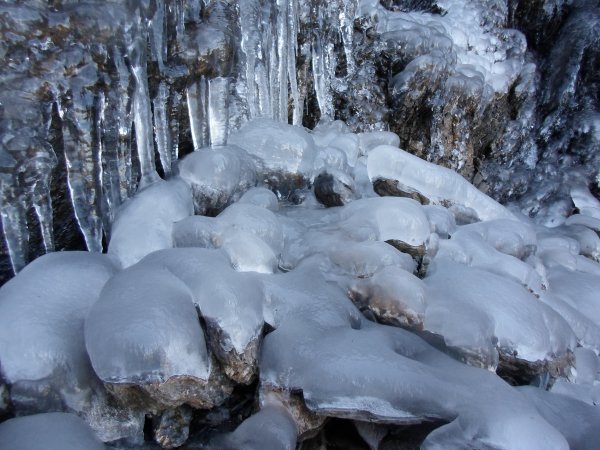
86, 122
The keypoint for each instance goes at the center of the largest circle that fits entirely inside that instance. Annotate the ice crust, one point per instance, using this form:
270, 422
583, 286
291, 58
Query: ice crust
382, 310
52, 431
144, 223
437, 184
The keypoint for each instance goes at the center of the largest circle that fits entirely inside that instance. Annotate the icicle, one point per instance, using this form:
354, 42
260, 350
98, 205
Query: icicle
158, 46
280, 101
77, 134
346, 17
38, 171
161, 127
174, 112
218, 110
142, 113
249, 20
14, 222
292, 56
320, 68
196, 94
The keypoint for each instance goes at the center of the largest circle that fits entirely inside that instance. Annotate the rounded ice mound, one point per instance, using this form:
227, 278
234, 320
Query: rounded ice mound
42, 348
480, 313
42, 311
393, 295
401, 221
52, 431
261, 196
253, 219
248, 252
286, 153
144, 331
217, 176
144, 223
144, 328
396, 172
230, 302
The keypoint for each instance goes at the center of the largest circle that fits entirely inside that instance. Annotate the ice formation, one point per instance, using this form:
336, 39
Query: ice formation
51, 431
263, 277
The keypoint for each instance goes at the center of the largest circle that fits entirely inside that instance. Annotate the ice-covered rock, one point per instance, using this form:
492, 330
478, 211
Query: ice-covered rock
144, 224
286, 153
575, 420
394, 296
400, 221
396, 377
43, 356
577, 292
256, 220
217, 176
270, 428
261, 196
513, 237
52, 431
144, 334
469, 248
441, 220
334, 188
230, 302
396, 172
482, 313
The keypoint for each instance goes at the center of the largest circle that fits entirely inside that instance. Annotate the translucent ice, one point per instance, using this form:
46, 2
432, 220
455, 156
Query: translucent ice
270, 428
144, 224
42, 313
261, 196
52, 431
482, 311
231, 304
217, 176
577, 421
279, 147
435, 183
386, 218
145, 329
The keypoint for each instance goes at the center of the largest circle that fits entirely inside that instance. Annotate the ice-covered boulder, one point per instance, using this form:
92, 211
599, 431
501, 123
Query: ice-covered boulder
395, 377
286, 154
144, 223
470, 248
576, 420
144, 334
396, 172
578, 292
231, 305
272, 427
253, 219
393, 295
261, 196
217, 176
51, 431
42, 351
334, 188
399, 221
483, 315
